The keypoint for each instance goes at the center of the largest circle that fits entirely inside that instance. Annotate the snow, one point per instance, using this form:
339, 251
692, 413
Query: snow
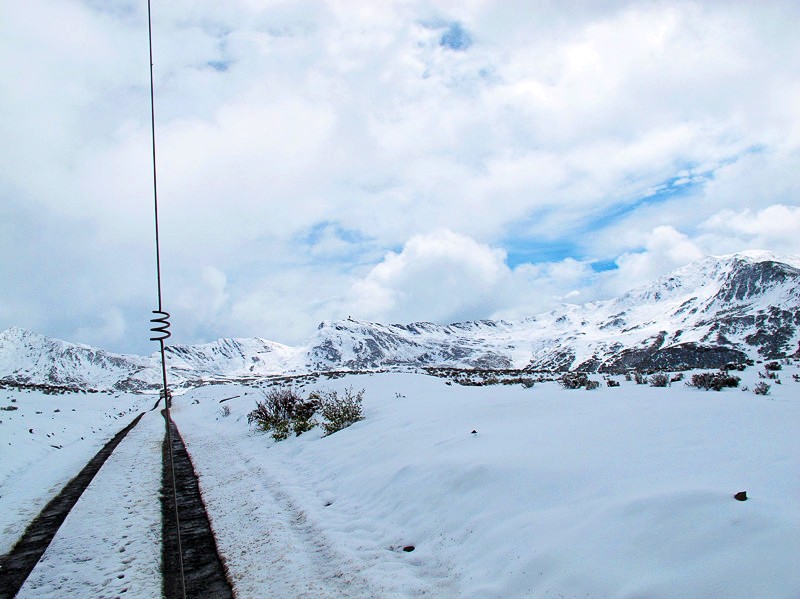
234, 357
30, 357
46, 441
616, 492
611, 493
110, 543
762, 256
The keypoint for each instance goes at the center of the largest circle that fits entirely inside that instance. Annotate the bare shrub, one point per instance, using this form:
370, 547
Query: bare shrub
772, 366
304, 414
659, 379
713, 380
577, 380
639, 377
761, 388
282, 411
574, 380
340, 411
612, 383
225, 411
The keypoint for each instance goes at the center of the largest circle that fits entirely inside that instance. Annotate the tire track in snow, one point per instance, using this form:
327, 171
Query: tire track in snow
110, 543
277, 550
204, 572
17, 564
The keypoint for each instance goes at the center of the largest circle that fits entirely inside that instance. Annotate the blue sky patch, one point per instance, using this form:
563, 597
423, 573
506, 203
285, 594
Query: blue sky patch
455, 38
523, 251
330, 228
219, 65
674, 187
604, 265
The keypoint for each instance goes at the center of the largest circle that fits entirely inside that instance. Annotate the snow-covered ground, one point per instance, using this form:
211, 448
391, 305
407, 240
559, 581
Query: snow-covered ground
46, 441
110, 543
615, 492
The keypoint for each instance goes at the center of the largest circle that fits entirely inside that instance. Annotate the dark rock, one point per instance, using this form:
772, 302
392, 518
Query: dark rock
749, 280
684, 356
741, 496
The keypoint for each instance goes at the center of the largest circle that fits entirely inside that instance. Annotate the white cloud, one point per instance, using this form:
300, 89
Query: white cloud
539, 287
447, 277
287, 305
440, 276
775, 227
110, 327
201, 300
665, 249
353, 121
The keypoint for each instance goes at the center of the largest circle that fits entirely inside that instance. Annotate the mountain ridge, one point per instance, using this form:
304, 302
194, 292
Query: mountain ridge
716, 310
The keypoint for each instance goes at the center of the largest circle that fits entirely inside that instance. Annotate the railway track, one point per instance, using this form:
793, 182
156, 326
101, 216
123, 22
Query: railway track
18, 563
203, 573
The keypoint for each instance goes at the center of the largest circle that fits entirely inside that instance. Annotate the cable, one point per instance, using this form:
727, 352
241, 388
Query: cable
162, 318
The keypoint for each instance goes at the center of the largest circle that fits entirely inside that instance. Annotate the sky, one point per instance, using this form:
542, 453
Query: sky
389, 161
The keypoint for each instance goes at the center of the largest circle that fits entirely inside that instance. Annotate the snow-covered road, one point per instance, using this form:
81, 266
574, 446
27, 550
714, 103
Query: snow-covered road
110, 544
273, 525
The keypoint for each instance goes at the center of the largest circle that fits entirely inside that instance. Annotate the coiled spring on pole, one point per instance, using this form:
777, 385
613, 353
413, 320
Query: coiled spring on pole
161, 326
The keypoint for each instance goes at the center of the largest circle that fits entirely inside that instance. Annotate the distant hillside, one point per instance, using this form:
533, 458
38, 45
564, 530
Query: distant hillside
714, 311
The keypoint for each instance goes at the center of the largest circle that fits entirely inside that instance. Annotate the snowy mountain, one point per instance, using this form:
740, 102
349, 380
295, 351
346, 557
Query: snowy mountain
30, 358
715, 311
231, 358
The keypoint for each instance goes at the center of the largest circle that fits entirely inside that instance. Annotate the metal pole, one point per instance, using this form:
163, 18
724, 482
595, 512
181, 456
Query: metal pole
162, 321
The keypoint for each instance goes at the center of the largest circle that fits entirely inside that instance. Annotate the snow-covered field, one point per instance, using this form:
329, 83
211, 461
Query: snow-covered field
615, 492
46, 441
110, 544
